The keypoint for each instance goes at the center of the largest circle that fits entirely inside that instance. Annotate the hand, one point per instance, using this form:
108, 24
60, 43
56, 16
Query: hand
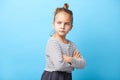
67, 58
76, 54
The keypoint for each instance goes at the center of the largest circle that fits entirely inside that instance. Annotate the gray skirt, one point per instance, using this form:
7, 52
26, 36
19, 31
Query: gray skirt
56, 75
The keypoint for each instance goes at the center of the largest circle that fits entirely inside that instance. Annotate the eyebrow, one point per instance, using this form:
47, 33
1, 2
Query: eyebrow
65, 22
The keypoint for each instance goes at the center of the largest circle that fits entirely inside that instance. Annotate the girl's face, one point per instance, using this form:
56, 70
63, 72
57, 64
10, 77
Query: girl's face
62, 24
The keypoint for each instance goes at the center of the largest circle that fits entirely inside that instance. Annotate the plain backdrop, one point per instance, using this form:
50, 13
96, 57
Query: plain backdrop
26, 25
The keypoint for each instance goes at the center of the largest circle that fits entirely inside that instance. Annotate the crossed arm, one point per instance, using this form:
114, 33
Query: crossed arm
61, 61
76, 60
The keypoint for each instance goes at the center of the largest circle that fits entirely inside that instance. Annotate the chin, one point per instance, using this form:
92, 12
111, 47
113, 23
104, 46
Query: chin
62, 34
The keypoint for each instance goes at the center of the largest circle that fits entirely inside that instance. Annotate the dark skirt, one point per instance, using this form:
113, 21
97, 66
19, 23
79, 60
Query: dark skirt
56, 75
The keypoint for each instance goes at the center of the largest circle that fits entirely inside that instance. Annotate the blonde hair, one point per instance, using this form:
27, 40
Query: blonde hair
64, 9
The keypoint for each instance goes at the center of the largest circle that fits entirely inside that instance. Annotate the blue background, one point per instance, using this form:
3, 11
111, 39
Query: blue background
25, 26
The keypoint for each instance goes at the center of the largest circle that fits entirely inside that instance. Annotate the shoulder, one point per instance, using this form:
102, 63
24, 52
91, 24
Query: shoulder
52, 41
52, 45
72, 44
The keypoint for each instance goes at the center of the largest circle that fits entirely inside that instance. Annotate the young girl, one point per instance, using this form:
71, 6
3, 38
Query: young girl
62, 55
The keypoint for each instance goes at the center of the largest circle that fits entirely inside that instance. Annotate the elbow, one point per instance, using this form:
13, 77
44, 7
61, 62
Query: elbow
82, 65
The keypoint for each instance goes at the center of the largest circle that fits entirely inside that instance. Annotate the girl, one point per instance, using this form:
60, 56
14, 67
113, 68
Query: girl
62, 55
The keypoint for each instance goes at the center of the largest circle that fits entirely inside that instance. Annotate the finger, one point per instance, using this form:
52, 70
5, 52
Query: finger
77, 54
74, 53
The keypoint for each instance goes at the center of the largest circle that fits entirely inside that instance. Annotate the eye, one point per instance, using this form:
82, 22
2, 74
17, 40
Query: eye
59, 22
68, 24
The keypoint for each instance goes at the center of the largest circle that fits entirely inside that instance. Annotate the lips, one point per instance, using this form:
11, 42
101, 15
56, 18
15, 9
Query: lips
61, 31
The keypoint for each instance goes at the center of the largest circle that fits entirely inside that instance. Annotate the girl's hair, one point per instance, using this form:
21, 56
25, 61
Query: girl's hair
64, 9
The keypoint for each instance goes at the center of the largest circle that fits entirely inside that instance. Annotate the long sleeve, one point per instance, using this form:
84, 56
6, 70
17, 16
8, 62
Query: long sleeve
54, 52
77, 62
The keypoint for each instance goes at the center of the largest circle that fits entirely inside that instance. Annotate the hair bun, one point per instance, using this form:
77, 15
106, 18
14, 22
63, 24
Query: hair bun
66, 6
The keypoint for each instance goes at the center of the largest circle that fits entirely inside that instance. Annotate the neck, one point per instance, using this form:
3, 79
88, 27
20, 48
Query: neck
61, 38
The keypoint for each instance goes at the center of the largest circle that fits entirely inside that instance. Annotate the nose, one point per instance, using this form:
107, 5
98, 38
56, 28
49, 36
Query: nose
62, 26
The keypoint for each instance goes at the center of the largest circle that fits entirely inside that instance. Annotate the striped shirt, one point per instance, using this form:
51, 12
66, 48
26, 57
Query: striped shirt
54, 60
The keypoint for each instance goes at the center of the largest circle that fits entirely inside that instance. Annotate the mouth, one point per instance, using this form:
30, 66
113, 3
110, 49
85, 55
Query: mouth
61, 31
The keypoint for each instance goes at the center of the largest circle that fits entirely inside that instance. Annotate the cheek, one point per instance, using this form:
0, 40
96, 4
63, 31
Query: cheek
55, 25
69, 28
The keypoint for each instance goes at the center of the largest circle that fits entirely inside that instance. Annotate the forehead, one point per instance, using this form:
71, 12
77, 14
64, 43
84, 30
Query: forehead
63, 16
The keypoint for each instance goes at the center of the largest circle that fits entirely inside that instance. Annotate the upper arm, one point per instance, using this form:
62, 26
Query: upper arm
55, 54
